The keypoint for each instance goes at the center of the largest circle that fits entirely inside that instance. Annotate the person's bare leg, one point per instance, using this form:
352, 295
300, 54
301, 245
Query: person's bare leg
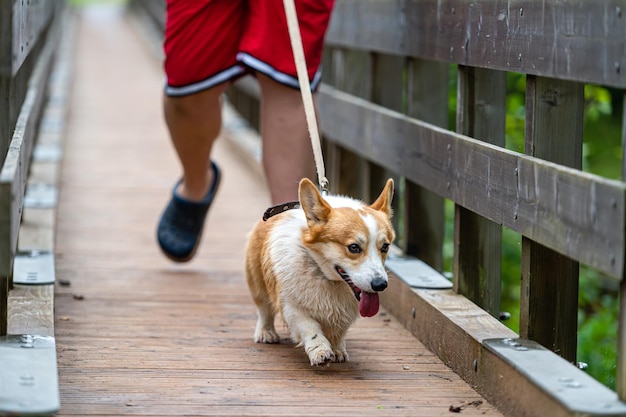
287, 151
194, 122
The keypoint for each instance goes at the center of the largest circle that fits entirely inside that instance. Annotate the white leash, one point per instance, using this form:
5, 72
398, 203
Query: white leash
305, 90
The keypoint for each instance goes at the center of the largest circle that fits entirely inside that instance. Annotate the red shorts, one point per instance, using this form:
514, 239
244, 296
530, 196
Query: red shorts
210, 42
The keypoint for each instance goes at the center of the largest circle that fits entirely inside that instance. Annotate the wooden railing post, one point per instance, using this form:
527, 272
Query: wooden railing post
424, 217
621, 343
25, 62
621, 331
347, 172
549, 291
477, 241
387, 90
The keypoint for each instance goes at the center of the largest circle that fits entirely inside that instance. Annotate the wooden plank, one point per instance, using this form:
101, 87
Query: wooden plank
354, 75
30, 370
148, 337
31, 310
13, 174
462, 334
4, 301
352, 174
621, 330
621, 344
155, 11
449, 324
576, 40
6, 121
26, 27
481, 113
575, 213
245, 95
549, 288
427, 100
388, 90
16, 164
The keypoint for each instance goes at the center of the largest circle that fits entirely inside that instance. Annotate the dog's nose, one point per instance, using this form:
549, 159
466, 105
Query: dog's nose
379, 284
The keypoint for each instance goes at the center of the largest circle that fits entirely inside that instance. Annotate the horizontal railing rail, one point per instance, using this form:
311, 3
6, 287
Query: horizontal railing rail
575, 40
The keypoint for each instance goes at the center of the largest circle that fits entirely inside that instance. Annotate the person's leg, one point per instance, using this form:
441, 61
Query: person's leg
194, 122
265, 47
200, 45
287, 151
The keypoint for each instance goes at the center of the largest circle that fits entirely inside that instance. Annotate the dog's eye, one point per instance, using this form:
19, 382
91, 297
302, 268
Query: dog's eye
385, 248
354, 248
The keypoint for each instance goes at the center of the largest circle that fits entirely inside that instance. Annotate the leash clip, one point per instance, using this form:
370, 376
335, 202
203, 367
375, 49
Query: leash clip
324, 186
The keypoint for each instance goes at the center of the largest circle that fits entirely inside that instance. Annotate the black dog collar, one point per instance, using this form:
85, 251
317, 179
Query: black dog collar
280, 208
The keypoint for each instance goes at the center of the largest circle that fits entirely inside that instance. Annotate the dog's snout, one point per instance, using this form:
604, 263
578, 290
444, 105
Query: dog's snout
379, 284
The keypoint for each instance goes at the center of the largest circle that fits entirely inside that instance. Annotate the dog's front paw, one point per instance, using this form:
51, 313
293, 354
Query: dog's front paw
266, 336
320, 354
341, 355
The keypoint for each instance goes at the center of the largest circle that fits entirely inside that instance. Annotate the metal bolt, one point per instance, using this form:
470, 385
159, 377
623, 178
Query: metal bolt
617, 67
519, 57
618, 11
448, 185
413, 312
27, 380
475, 364
521, 11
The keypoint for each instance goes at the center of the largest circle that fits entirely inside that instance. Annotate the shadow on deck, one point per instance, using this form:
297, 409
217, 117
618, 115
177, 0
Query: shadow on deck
138, 335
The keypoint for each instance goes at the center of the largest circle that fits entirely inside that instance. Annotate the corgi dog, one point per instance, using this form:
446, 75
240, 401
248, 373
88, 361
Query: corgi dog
319, 266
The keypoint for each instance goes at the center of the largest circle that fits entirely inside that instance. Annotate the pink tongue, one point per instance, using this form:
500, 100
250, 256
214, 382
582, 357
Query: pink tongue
368, 306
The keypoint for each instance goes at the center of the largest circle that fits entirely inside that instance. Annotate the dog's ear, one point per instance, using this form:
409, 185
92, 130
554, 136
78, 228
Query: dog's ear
316, 209
383, 202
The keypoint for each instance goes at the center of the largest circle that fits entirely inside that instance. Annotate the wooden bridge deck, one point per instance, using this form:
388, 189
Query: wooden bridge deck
138, 335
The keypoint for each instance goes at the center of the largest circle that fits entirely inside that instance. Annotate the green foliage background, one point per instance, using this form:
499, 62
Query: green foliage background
602, 155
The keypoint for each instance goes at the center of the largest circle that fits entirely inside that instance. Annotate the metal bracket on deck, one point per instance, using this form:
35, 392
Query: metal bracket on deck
416, 273
51, 152
35, 268
40, 196
29, 381
573, 388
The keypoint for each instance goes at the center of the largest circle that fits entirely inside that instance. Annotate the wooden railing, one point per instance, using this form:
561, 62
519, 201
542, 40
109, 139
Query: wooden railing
29, 34
34, 90
383, 110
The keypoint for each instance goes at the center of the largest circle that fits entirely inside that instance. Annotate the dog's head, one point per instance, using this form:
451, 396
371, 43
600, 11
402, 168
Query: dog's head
350, 241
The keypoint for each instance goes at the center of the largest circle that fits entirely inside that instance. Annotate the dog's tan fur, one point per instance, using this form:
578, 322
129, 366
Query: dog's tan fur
297, 263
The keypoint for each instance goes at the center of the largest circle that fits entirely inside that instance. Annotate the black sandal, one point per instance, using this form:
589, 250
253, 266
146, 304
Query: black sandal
182, 222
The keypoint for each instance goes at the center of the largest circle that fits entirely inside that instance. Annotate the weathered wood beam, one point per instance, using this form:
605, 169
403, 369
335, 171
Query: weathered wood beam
577, 40
577, 214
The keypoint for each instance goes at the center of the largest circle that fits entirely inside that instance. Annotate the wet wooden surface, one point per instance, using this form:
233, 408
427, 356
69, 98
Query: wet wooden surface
138, 335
